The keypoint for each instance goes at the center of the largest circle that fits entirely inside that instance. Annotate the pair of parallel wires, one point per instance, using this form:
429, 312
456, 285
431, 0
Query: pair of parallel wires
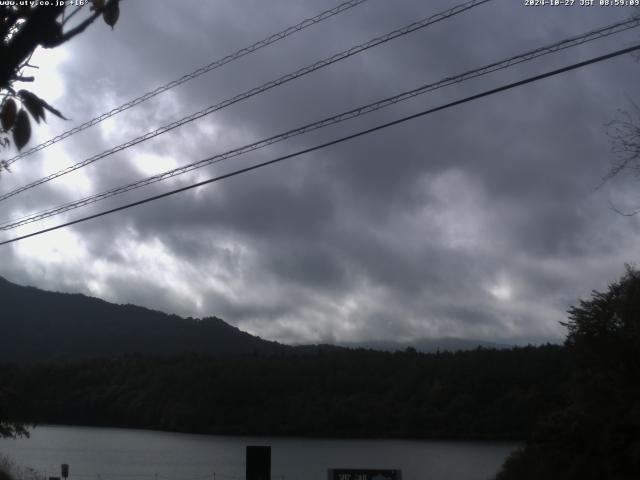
341, 117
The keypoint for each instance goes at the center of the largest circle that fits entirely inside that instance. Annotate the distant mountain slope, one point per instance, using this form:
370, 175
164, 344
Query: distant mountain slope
36, 325
427, 345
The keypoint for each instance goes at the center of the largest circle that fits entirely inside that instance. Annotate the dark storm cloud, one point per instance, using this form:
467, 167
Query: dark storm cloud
480, 221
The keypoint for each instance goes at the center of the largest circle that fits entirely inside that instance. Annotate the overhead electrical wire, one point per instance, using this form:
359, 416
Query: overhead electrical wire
194, 74
353, 113
336, 141
257, 90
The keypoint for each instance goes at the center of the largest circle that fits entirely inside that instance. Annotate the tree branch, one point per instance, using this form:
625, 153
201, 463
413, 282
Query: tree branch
8, 23
81, 27
631, 213
70, 16
39, 28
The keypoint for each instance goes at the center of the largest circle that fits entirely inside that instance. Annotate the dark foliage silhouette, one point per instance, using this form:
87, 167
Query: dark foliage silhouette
597, 434
482, 394
25, 26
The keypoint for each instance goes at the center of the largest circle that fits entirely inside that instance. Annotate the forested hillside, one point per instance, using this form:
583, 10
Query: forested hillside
41, 326
492, 394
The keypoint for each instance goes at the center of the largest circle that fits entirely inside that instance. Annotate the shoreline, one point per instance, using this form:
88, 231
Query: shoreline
444, 439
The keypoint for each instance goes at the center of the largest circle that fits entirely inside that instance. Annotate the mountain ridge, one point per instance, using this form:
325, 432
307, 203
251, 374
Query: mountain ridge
39, 326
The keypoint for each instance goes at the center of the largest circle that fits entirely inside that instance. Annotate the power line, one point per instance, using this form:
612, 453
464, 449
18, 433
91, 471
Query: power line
334, 142
356, 112
196, 73
256, 90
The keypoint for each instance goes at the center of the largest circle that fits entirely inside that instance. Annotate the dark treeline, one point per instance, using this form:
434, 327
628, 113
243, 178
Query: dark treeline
486, 394
596, 435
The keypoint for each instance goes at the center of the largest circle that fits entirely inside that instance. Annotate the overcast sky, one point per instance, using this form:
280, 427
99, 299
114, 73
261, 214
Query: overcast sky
483, 221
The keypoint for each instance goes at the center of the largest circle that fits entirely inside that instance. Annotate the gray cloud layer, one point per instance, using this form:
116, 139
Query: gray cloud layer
480, 221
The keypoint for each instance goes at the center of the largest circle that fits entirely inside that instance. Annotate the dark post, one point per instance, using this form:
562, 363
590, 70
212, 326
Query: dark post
258, 463
64, 470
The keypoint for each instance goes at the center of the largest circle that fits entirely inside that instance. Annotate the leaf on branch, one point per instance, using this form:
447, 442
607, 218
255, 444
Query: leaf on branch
37, 106
96, 5
111, 13
21, 129
33, 104
8, 116
55, 111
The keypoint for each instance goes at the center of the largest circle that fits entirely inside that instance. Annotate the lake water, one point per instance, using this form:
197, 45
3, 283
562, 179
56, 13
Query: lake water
121, 454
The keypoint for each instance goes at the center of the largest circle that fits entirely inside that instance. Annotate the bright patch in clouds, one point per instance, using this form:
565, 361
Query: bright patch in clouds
153, 164
62, 247
77, 182
501, 290
48, 83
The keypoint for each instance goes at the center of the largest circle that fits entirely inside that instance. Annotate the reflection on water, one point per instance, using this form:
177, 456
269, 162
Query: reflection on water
121, 454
